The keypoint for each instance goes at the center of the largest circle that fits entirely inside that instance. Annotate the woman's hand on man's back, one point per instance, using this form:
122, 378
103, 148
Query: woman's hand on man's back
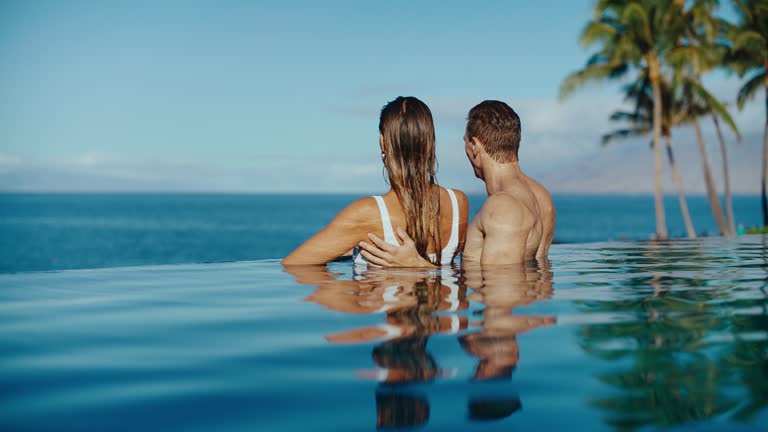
382, 254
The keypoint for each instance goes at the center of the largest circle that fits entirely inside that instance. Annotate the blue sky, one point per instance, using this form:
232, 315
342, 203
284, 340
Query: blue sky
283, 96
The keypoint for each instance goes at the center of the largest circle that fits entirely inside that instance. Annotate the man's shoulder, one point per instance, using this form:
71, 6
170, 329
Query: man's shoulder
506, 209
542, 194
508, 200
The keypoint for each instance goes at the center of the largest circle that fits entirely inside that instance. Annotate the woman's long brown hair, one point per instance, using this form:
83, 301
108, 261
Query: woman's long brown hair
409, 148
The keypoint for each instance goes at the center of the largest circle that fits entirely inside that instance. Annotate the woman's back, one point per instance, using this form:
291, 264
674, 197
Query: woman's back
407, 144
454, 209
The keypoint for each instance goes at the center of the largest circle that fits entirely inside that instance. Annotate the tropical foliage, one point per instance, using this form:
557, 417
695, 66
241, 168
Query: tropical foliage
664, 48
749, 56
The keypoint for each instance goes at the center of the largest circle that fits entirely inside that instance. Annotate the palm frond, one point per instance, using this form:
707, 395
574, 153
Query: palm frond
750, 88
715, 106
752, 42
598, 31
684, 55
739, 62
634, 17
620, 134
595, 72
631, 117
743, 9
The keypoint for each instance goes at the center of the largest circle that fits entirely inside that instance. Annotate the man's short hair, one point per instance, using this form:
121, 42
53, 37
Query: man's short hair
497, 126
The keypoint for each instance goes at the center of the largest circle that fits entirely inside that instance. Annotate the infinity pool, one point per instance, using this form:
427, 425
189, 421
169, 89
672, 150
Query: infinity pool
613, 336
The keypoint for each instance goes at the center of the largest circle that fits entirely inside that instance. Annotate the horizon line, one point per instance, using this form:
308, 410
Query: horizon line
367, 193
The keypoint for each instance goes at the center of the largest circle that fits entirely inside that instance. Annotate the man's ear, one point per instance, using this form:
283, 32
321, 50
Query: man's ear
475, 145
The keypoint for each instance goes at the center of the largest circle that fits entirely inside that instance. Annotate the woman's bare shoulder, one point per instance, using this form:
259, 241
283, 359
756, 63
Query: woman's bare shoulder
462, 199
363, 211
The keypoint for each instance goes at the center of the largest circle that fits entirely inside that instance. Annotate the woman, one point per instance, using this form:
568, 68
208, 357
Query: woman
415, 200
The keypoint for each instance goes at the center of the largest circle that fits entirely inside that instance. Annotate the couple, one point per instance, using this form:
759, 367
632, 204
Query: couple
516, 224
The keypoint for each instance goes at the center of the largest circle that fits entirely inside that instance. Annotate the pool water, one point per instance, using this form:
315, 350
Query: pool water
613, 336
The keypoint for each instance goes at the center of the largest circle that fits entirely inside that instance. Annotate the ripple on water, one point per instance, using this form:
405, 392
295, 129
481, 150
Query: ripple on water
606, 336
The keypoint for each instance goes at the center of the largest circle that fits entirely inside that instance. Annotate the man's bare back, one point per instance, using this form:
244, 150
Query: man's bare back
515, 224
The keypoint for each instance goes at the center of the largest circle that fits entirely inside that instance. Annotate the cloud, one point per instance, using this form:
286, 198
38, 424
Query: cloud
560, 147
8, 162
113, 172
629, 168
548, 126
555, 136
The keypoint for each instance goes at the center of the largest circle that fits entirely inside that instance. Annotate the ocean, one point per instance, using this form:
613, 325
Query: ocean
40, 232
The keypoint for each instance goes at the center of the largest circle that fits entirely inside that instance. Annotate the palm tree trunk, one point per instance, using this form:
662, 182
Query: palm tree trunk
714, 202
765, 157
731, 221
661, 223
679, 186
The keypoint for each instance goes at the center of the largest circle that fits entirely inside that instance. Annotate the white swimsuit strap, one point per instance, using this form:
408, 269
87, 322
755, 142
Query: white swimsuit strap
390, 294
455, 324
454, 240
389, 233
453, 295
390, 330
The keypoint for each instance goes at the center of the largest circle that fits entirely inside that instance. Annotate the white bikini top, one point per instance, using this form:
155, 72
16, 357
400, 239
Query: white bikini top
448, 251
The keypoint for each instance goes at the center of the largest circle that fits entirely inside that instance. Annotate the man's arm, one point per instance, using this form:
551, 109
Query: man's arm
547, 215
548, 230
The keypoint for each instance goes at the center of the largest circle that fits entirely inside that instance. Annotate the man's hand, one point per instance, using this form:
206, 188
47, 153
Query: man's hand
383, 254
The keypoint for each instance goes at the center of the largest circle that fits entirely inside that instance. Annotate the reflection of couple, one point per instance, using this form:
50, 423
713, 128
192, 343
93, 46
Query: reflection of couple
501, 290
419, 304
409, 301
515, 224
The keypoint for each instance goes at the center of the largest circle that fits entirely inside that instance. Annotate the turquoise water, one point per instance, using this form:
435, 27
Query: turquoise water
71, 231
611, 336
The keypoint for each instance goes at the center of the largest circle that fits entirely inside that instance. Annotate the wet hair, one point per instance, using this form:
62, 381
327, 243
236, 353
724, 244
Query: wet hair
497, 126
400, 410
409, 146
493, 409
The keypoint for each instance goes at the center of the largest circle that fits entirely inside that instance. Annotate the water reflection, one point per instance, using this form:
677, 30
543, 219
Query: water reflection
409, 302
418, 304
696, 347
501, 289
680, 330
648, 335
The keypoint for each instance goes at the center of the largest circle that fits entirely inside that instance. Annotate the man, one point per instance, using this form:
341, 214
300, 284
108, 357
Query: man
517, 222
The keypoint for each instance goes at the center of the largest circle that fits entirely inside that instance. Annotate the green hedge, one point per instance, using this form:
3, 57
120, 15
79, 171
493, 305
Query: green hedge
758, 230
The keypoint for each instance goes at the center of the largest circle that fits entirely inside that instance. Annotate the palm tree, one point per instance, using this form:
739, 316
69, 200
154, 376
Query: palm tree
699, 102
698, 51
632, 34
705, 36
641, 124
749, 43
726, 177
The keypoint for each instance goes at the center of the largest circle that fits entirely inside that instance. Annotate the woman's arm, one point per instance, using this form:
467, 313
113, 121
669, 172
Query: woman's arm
342, 234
